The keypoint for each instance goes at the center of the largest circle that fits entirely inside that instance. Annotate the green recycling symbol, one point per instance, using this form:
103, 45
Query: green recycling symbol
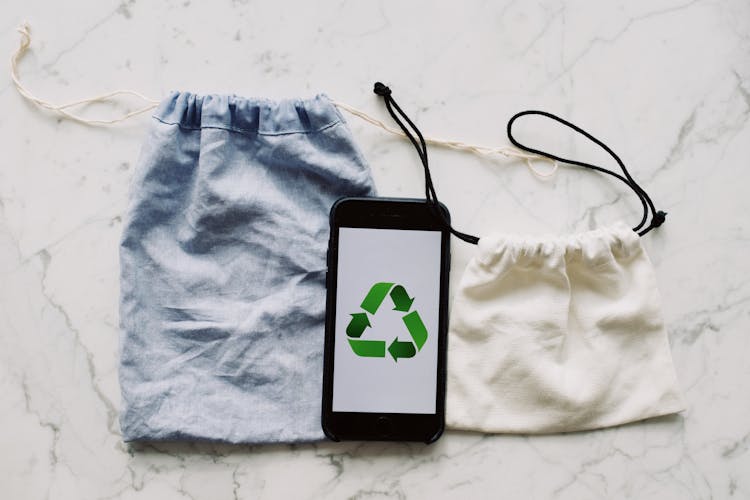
376, 348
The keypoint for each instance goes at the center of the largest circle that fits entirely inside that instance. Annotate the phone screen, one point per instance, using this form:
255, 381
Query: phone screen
386, 322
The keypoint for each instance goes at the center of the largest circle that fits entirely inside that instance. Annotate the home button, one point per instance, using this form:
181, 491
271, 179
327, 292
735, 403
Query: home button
384, 426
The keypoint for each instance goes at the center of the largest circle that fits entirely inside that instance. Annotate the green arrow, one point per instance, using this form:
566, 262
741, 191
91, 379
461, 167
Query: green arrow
368, 348
375, 296
401, 349
416, 328
401, 299
357, 325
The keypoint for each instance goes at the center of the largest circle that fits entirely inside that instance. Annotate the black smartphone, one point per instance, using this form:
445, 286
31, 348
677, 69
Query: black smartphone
386, 320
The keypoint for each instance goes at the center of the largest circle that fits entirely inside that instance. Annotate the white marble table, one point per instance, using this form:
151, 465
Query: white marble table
665, 83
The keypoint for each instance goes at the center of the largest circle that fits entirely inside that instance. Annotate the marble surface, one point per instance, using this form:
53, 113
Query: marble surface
666, 83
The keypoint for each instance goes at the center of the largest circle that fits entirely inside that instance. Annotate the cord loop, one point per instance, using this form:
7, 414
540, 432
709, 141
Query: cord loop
657, 216
649, 210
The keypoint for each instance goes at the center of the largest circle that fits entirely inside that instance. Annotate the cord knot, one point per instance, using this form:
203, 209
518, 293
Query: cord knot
381, 89
659, 218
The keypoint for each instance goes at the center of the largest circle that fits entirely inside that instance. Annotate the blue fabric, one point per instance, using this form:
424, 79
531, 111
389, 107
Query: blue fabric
223, 268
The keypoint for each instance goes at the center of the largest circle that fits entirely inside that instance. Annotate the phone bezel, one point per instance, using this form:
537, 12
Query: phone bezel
384, 213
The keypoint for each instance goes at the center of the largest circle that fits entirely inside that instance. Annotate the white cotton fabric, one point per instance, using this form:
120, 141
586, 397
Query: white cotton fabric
558, 334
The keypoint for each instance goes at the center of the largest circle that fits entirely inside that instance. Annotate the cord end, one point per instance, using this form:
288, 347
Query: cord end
381, 89
659, 218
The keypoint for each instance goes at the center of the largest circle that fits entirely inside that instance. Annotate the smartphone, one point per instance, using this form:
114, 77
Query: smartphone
386, 320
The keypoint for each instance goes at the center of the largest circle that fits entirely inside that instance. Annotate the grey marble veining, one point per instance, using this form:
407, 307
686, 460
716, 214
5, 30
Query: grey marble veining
665, 83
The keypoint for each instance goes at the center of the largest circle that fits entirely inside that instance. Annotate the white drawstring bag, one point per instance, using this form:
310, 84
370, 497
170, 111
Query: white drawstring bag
558, 334
555, 334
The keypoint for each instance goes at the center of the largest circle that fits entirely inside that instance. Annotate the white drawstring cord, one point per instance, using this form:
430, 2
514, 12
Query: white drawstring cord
25, 31
507, 151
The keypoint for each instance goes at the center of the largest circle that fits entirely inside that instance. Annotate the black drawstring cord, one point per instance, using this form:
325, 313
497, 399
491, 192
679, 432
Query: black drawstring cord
657, 216
421, 147
648, 206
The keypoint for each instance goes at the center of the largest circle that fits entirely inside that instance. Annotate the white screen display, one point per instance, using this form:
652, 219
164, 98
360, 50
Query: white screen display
387, 312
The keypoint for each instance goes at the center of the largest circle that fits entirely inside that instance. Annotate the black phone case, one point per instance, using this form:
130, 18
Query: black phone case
332, 260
